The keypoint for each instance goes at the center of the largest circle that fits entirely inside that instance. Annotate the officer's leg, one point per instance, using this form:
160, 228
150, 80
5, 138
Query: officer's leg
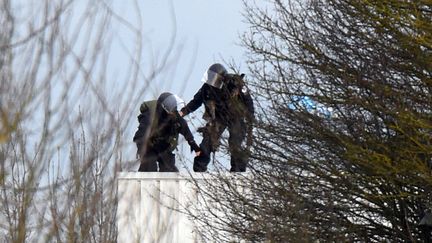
211, 135
167, 162
201, 161
148, 161
239, 153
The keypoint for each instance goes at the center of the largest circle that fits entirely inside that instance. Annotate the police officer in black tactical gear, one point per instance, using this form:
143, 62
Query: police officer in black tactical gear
157, 134
228, 104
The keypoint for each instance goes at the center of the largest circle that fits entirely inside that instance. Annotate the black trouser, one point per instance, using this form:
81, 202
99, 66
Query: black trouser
150, 157
211, 136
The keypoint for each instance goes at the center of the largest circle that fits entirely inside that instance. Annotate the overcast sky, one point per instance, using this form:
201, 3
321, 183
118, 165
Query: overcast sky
204, 32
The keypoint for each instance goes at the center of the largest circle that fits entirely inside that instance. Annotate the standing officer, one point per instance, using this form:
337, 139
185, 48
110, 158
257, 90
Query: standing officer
157, 134
228, 104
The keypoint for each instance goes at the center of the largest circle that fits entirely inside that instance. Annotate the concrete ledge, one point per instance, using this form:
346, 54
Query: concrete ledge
155, 206
152, 206
163, 175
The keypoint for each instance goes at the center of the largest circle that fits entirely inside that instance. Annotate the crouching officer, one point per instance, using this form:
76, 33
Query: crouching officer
157, 134
228, 104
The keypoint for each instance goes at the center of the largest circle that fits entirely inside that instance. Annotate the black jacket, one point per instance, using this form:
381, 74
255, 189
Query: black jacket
222, 104
160, 132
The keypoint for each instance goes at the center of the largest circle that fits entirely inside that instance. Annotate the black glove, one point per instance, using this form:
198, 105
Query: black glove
194, 146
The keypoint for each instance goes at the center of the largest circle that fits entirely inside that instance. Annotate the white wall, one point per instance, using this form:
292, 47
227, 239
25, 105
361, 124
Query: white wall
150, 206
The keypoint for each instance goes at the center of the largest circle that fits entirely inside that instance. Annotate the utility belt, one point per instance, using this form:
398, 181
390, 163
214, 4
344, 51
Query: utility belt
158, 144
164, 143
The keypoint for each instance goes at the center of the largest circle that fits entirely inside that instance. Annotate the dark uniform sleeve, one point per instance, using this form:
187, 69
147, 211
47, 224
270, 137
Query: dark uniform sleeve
185, 131
247, 99
144, 120
196, 102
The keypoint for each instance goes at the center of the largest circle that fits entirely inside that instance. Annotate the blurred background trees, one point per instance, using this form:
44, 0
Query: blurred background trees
62, 138
342, 148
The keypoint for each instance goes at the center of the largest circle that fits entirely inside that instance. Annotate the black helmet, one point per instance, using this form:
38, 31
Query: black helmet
170, 102
215, 75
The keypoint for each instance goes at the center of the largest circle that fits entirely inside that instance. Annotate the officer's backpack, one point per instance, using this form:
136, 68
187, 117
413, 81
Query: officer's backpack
151, 107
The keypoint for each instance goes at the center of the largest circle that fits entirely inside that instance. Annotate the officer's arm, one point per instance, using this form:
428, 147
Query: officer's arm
251, 116
144, 120
186, 132
194, 103
247, 98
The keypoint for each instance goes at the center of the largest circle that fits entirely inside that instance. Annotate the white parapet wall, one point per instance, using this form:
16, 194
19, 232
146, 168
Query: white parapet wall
151, 206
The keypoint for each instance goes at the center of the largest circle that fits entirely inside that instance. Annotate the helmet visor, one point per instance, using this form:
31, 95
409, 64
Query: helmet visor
212, 78
172, 103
